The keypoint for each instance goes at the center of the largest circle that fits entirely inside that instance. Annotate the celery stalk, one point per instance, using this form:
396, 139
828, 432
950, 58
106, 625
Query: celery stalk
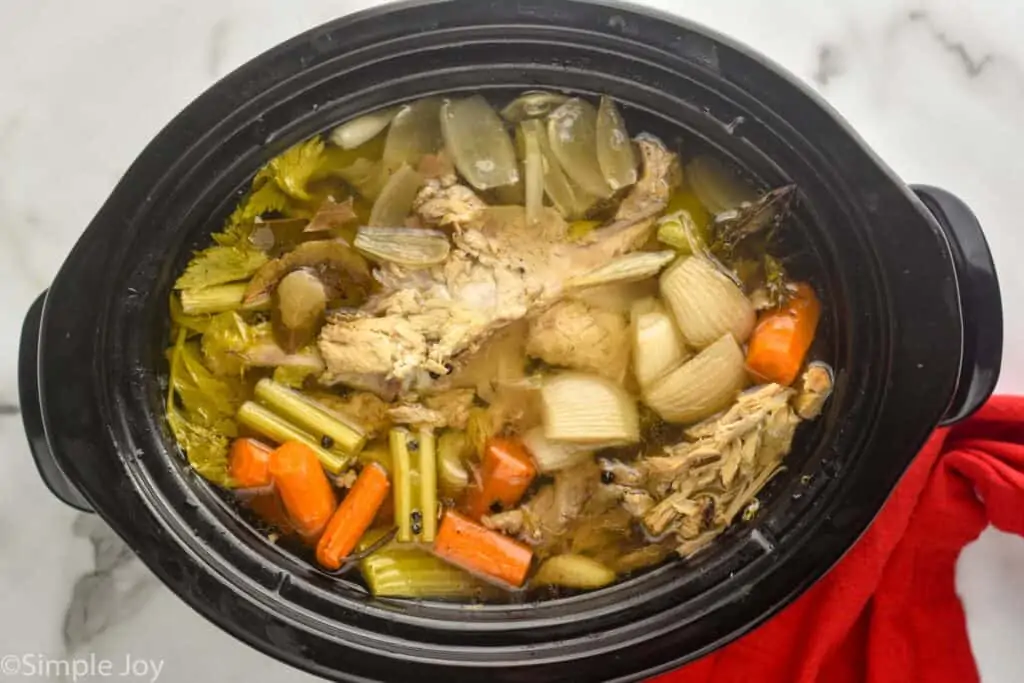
428, 484
311, 416
279, 430
218, 299
679, 231
410, 572
402, 479
415, 573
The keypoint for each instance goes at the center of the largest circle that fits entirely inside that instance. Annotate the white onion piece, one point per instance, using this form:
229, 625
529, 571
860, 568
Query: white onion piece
588, 410
361, 130
415, 132
573, 571
716, 185
478, 143
633, 267
701, 386
532, 105
412, 247
706, 303
572, 133
551, 456
570, 201
396, 198
452, 473
657, 345
615, 153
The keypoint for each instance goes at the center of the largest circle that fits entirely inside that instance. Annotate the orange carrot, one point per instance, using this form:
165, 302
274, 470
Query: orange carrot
481, 551
783, 336
303, 487
353, 517
250, 463
505, 473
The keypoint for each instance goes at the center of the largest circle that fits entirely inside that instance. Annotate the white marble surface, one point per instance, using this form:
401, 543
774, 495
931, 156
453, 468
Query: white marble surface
936, 87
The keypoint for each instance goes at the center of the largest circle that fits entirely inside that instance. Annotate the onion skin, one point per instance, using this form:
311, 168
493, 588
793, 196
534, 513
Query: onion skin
412, 247
361, 130
572, 132
478, 143
615, 154
396, 198
415, 132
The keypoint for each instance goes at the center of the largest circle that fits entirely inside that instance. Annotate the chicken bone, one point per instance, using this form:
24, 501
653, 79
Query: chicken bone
816, 386
667, 514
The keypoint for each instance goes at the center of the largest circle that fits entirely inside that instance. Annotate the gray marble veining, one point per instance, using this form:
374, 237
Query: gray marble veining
117, 588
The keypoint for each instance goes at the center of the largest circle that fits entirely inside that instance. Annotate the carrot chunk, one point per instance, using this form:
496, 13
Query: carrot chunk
304, 489
249, 463
782, 338
483, 552
353, 517
506, 472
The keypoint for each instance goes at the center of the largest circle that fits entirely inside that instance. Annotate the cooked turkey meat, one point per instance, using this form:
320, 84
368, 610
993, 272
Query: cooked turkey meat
502, 269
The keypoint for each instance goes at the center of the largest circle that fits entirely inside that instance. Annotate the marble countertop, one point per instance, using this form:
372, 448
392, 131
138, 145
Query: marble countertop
935, 86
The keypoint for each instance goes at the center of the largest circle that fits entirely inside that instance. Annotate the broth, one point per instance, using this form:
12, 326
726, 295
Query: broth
449, 352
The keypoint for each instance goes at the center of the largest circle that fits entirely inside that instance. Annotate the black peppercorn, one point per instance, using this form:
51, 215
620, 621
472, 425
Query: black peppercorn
607, 477
326, 442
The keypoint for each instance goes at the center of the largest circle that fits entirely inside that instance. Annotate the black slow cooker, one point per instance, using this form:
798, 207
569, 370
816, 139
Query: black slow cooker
915, 333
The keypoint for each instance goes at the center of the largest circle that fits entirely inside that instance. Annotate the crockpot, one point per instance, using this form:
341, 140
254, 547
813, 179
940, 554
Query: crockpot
914, 330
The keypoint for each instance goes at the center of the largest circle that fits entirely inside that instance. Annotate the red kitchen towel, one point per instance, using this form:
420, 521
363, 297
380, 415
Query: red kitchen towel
888, 611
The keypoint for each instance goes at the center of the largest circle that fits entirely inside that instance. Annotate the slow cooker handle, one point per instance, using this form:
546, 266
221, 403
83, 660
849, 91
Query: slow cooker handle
32, 412
980, 303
